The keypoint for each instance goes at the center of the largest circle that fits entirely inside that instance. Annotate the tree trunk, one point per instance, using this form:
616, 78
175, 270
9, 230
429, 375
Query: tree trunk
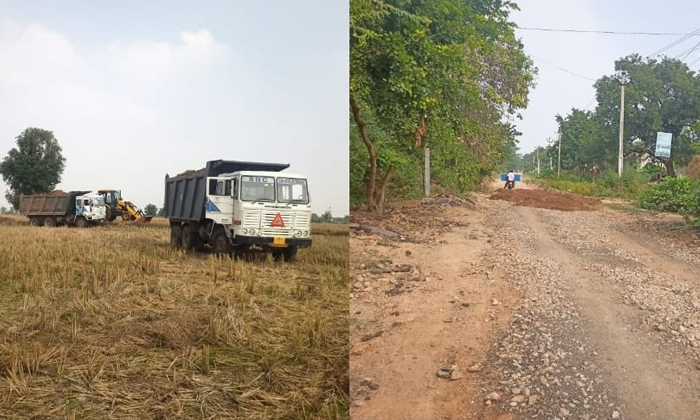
372, 178
670, 171
381, 194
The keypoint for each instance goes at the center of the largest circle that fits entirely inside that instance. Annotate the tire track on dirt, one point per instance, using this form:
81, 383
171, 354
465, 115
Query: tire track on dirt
649, 385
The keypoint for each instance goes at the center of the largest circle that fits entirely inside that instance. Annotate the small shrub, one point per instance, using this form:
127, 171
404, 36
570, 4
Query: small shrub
676, 195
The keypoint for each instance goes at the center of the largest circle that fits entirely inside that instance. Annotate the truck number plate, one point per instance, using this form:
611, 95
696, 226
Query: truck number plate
278, 241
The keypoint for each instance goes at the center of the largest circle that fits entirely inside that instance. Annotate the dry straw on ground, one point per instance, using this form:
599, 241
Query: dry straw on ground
111, 322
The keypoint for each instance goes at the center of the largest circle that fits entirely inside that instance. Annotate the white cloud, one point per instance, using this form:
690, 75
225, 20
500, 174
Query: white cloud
32, 52
94, 100
196, 51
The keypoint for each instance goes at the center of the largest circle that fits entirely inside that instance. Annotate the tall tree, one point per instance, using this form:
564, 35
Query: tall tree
150, 209
583, 141
35, 166
663, 96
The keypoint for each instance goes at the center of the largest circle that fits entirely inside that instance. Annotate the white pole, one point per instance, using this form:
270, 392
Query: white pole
538, 161
623, 77
620, 157
427, 171
559, 158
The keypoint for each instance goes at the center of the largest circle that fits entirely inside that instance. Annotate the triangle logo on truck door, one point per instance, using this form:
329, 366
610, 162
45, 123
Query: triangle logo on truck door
277, 221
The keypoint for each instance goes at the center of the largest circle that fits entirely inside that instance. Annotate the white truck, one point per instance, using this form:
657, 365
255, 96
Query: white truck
74, 208
237, 207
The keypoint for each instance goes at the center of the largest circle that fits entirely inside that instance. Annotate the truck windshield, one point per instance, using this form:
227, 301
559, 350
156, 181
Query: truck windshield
98, 201
257, 188
292, 190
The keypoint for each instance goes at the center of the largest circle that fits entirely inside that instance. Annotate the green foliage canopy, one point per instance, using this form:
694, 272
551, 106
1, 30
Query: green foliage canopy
35, 166
450, 74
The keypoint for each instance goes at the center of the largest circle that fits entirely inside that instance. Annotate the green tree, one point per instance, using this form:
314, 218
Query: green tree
663, 96
326, 217
584, 142
151, 210
35, 166
161, 211
438, 73
3, 210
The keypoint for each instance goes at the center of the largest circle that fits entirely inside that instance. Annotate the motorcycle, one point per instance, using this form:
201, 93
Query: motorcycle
510, 184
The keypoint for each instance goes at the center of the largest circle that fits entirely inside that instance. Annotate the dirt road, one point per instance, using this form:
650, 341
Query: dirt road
531, 312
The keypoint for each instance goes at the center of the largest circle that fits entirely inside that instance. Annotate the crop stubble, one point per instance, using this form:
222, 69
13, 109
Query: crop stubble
111, 322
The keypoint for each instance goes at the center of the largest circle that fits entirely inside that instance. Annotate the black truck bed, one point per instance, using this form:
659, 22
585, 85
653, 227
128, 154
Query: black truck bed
185, 194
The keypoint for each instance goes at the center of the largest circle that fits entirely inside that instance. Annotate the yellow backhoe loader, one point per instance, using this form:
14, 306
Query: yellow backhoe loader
116, 206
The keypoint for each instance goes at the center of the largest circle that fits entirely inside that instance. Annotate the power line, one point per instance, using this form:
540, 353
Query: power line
586, 31
562, 69
689, 51
674, 43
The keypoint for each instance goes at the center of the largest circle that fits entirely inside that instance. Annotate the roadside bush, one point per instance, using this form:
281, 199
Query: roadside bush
608, 184
677, 195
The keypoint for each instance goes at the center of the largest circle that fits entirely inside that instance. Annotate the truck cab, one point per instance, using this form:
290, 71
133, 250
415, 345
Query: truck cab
239, 206
91, 207
269, 209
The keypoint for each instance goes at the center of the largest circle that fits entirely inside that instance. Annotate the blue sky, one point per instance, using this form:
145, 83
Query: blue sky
135, 90
590, 55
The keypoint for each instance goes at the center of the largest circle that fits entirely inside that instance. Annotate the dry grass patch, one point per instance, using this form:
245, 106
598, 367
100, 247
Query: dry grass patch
111, 322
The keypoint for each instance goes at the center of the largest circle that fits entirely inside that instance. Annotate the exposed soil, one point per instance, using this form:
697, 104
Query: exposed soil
546, 199
57, 192
190, 172
460, 313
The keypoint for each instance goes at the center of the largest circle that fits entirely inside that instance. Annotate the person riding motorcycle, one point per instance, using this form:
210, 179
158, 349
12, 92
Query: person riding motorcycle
510, 179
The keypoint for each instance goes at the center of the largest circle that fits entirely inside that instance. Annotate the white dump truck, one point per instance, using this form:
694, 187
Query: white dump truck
236, 207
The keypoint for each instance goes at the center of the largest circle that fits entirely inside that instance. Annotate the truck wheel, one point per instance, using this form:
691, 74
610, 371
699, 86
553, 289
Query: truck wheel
34, 221
49, 222
126, 217
81, 222
189, 238
221, 243
175, 237
290, 253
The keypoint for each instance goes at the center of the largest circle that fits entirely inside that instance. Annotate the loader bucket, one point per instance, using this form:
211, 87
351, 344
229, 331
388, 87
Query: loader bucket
144, 219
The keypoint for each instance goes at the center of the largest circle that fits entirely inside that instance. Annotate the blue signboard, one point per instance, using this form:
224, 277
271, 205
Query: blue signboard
663, 144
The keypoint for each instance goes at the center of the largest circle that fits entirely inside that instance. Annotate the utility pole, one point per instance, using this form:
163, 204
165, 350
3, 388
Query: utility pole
538, 161
551, 168
624, 78
426, 178
559, 157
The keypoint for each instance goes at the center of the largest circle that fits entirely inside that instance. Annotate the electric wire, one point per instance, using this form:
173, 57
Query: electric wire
689, 51
561, 68
674, 43
586, 31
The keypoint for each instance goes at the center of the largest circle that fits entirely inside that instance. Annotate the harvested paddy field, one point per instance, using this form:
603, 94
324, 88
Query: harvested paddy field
110, 322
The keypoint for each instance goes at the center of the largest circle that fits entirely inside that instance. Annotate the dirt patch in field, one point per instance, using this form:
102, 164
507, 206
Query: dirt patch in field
547, 200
